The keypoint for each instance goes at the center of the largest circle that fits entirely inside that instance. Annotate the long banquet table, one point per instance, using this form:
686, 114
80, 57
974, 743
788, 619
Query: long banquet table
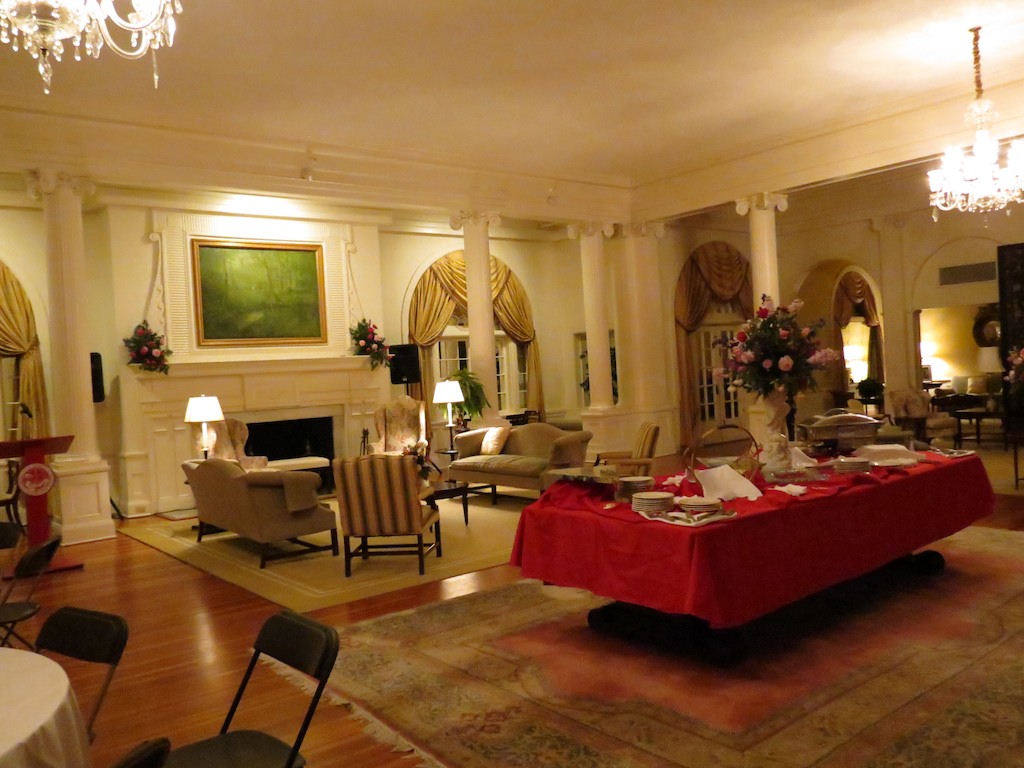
776, 550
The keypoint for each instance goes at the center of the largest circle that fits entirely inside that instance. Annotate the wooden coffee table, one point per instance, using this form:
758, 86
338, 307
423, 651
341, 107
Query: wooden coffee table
450, 489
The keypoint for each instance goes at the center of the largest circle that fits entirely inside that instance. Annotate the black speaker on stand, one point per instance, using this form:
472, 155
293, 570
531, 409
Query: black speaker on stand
405, 364
96, 367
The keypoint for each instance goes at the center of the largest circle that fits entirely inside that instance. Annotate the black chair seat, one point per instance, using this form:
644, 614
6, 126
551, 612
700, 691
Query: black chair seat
244, 749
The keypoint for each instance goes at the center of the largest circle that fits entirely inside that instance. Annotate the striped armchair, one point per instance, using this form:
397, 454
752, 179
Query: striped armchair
382, 495
640, 459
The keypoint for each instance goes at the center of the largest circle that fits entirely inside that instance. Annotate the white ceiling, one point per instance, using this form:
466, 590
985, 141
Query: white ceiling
649, 98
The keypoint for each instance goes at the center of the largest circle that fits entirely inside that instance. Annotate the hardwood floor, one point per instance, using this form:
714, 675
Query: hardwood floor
191, 636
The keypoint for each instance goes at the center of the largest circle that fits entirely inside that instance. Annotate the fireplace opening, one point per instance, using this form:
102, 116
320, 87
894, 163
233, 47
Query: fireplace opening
294, 438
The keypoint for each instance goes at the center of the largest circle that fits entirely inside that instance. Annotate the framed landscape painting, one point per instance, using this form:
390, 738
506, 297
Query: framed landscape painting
249, 293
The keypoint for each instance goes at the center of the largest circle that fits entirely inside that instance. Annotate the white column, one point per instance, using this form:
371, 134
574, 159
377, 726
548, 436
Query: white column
480, 302
81, 498
595, 310
764, 258
641, 350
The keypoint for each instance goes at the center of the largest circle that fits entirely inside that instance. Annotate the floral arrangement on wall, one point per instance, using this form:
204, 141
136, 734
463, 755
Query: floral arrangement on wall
774, 351
146, 349
367, 341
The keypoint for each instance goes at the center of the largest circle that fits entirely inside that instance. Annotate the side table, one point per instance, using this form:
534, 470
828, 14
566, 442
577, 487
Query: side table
450, 489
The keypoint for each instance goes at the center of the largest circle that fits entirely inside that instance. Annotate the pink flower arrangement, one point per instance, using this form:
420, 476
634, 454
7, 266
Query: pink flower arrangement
369, 342
1015, 369
145, 349
773, 351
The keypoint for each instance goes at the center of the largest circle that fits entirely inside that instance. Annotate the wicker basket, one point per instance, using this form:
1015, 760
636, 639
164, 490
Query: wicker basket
716, 442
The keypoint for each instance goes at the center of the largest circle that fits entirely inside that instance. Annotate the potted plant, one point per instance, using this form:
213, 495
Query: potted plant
474, 397
870, 389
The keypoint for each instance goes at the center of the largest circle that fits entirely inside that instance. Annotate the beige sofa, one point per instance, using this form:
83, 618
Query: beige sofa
264, 505
528, 453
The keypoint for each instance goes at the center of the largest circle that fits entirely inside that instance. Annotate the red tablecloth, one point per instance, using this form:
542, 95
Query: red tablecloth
776, 550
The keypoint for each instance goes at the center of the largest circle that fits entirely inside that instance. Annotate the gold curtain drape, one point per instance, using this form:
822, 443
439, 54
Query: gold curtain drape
854, 295
18, 339
715, 272
441, 291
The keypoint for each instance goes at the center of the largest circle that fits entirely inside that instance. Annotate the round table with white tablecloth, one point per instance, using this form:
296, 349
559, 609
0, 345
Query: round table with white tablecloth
40, 724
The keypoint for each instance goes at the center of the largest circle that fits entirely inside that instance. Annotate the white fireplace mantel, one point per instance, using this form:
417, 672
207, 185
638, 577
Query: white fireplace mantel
156, 439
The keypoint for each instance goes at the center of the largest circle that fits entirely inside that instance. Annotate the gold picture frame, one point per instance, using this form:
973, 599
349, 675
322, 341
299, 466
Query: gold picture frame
258, 293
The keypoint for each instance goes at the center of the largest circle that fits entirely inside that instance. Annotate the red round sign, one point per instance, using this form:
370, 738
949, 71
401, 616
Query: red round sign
36, 479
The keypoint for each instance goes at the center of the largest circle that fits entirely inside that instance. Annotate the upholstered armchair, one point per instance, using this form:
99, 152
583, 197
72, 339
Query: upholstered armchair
381, 495
230, 437
640, 459
401, 425
264, 506
912, 410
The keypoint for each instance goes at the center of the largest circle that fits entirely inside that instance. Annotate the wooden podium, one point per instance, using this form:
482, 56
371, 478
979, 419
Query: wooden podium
36, 479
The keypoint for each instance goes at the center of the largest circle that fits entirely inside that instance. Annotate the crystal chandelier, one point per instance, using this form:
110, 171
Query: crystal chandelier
976, 182
42, 26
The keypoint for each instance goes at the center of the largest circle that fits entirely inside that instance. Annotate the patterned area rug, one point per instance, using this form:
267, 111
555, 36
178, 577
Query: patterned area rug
895, 669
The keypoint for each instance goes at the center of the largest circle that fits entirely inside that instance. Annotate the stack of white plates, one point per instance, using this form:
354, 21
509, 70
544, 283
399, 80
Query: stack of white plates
697, 505
653, 501
846, 464
634, 484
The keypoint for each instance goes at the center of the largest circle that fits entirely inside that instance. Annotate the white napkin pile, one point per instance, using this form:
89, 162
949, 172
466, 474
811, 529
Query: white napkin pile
801, 459
877, 452
726, 483
792, 490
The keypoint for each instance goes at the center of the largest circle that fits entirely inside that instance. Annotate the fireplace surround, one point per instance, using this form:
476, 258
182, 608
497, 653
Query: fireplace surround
147, 476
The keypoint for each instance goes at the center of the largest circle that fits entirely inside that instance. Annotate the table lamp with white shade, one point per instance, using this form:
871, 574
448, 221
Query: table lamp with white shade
202, 410
446, 393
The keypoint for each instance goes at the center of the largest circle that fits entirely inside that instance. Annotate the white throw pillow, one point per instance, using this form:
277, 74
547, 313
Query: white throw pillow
494, 441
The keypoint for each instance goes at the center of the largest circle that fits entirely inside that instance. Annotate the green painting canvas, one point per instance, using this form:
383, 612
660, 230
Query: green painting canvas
258, 293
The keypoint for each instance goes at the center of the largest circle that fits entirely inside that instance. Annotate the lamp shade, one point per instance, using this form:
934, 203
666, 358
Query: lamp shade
203, 408
448, 392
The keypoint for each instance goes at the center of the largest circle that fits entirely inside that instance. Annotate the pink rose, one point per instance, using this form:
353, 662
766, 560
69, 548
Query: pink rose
157, 353
767, 365
805, 332
741, 336
362, 343
783, 334
785, 363
140, 332
373, 348
143, 350
763, 312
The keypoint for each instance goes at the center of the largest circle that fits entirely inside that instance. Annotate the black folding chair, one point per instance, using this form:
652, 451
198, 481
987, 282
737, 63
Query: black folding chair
10, 535
86, 635
148, 754
16, 604
9, 498
304, 645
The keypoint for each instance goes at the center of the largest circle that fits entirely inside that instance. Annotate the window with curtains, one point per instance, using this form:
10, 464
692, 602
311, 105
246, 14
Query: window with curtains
9, 405
716, 404
510, 362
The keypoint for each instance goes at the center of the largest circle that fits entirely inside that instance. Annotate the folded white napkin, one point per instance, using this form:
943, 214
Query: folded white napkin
801, 459
674, 480
726, 483
792, 490
875, 452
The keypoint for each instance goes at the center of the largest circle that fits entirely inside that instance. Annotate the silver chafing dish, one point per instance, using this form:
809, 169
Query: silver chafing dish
838, 427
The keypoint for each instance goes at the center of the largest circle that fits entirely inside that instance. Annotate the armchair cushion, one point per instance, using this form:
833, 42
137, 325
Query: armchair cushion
494, 440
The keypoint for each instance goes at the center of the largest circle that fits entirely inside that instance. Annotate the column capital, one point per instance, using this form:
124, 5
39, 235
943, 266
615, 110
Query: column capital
590, 228
643, 229
457, 220
762, 201
39, 183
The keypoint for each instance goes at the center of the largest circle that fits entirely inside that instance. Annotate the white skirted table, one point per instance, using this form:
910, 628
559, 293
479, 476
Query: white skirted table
40, 724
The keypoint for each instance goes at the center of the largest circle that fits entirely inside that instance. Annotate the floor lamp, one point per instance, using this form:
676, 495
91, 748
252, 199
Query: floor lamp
201, 410
446, 393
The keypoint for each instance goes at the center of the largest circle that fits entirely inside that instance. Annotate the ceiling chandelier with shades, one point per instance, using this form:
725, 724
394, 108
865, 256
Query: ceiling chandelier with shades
977, 182
42, 27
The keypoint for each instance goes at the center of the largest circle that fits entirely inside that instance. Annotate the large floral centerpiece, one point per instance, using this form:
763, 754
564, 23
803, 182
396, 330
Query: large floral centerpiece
146, 349
774, 355
368, 341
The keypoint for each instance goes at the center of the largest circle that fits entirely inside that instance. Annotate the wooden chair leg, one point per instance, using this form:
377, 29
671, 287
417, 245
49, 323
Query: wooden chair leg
348, 556
437, 535
419, 548
334, 542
